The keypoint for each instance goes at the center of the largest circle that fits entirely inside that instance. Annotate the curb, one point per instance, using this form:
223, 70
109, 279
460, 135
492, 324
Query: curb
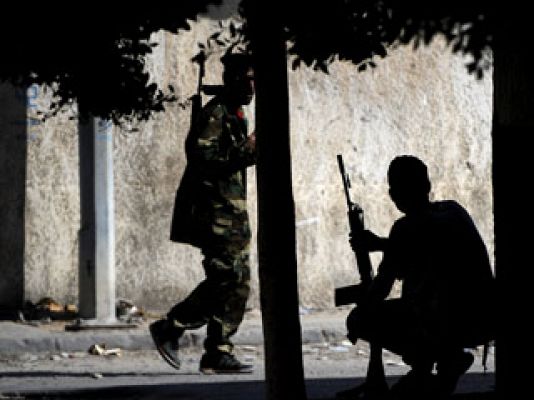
19, 338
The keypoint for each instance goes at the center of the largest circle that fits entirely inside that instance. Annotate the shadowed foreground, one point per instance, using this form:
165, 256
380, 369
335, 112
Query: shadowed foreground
317, 389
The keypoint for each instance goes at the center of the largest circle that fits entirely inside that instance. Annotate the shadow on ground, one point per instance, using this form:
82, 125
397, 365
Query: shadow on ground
472, 387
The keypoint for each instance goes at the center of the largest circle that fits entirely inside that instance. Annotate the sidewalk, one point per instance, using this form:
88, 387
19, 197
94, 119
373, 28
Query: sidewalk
48, 360
23, 337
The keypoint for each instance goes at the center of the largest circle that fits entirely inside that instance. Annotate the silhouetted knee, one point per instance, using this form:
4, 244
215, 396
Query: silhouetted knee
359, 325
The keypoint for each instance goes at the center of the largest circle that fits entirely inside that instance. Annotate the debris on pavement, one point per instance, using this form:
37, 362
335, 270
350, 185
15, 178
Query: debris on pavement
128, 312
46, 310
100, 350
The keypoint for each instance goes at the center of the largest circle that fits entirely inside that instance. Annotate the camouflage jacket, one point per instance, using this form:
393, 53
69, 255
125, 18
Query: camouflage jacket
210, 206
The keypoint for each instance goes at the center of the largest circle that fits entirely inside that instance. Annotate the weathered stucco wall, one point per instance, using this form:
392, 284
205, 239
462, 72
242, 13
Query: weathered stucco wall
423, 103
420, 103
52, 204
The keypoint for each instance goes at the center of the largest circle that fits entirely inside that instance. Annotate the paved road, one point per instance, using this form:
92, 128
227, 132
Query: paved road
329, 368
45, 362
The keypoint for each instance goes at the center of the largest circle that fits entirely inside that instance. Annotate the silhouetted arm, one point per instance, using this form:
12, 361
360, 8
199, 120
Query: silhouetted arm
369, 240
388, 269
382, 283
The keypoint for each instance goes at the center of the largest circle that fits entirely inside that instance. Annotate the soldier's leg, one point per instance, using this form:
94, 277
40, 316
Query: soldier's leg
219, 299
390, 324
453, 362
199, 306
373, 324
367, 324
395, 327
402, 331
196, 309
191, 313
231, 271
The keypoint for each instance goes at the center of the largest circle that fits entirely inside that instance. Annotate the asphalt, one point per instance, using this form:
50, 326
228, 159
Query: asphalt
18, 337
25, 340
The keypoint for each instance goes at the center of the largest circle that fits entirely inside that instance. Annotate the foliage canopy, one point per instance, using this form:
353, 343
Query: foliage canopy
96, 57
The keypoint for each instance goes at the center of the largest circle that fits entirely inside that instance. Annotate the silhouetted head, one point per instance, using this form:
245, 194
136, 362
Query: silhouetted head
238, 78
409, 185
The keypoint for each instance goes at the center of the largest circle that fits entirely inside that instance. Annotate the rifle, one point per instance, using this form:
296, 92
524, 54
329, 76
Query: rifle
375, 382
210, 90
351, 294
196, 99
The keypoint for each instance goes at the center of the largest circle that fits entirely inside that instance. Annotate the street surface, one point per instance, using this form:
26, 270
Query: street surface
329, 367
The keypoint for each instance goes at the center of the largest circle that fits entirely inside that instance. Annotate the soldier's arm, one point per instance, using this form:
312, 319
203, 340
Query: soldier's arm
387, 271
382, 283
215, 156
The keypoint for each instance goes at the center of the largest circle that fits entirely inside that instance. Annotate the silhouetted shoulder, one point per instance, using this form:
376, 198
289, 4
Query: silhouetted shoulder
445, 217
447, 205
451, 209
398, 226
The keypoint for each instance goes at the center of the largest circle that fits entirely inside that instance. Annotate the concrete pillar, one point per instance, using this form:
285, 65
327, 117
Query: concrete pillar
97, 233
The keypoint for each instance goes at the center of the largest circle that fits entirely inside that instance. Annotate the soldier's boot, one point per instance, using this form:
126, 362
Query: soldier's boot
220, 362
364, 391
166, 337
415, 385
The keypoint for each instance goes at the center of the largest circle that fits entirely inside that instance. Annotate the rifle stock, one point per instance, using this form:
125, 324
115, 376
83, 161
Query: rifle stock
348, 294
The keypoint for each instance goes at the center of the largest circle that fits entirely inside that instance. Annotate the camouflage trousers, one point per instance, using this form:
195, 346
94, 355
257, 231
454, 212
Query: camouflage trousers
220, 299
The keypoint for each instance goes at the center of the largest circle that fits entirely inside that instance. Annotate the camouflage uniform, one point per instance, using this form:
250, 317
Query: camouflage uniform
210, 213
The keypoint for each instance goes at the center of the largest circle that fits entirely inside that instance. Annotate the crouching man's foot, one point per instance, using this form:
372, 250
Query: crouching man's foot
165, 338
221, 362
451, 370
415, 385
365, 391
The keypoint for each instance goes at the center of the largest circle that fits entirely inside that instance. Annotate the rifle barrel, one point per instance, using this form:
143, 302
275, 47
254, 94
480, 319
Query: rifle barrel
346, 181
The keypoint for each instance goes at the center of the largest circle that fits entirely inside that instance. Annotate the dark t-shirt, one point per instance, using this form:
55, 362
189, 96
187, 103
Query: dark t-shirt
445, 271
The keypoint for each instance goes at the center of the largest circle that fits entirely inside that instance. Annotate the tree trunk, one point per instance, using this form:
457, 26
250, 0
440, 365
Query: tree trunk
276, 215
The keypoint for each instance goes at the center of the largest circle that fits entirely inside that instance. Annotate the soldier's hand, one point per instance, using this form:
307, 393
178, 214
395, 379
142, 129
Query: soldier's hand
250, 144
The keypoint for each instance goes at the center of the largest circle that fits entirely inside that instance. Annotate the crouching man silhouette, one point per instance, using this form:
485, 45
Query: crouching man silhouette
445, 306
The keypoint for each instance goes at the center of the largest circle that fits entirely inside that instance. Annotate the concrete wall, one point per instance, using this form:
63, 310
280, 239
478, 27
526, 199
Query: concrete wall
422, 103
